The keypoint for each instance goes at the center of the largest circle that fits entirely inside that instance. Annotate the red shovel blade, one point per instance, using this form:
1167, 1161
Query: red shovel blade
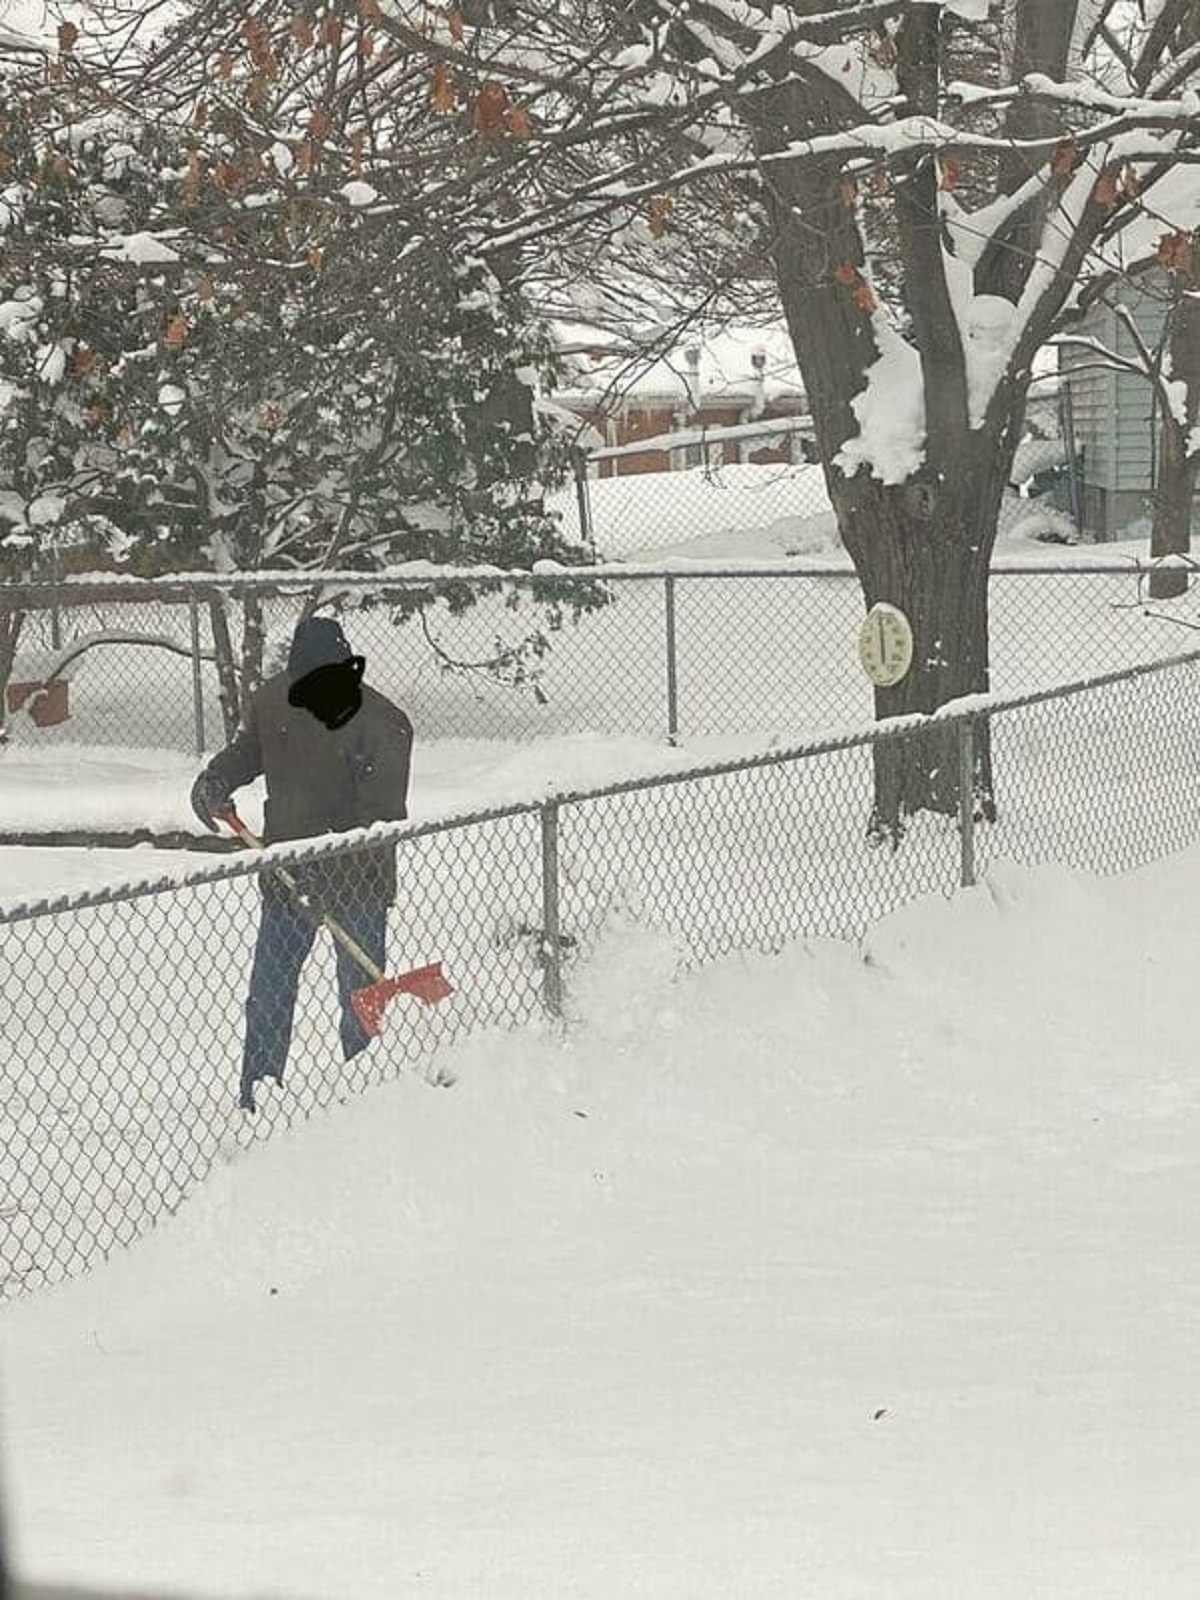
428, 984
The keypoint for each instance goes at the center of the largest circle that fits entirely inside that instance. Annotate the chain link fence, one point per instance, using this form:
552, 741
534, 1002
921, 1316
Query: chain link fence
663, 652
702, 490
781, 509
123, 1010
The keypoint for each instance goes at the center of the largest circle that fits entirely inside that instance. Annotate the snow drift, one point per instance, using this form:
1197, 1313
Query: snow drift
815, 1275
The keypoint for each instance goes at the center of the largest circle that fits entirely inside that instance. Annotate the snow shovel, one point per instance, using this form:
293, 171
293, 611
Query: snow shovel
428, 984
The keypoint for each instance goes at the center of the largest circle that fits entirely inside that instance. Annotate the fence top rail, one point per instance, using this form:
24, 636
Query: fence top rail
86, 588
968, 708
682, 438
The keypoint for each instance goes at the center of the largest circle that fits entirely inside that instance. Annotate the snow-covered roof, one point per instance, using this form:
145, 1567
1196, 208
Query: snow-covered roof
725, 369
582, 433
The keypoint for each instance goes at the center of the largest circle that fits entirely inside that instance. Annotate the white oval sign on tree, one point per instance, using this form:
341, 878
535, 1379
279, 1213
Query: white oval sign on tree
885, 644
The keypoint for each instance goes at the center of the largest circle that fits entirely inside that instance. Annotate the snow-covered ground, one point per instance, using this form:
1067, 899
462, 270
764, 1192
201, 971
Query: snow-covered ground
760, 510
124, 1021
795, 1275
87, 789
763, 510
811, 1275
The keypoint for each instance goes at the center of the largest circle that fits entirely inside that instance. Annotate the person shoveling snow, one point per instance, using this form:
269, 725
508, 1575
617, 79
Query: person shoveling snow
336, 755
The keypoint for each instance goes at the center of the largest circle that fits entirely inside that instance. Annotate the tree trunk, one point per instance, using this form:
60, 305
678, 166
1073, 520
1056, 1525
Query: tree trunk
925, 546
1171, 532
1175, 490
923, 543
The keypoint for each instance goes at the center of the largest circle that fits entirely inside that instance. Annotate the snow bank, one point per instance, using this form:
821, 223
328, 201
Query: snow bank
808, 1275
86, 788
78, 788
656, 511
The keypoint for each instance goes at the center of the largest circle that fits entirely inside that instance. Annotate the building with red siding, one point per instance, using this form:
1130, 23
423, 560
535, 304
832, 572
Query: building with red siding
709, 402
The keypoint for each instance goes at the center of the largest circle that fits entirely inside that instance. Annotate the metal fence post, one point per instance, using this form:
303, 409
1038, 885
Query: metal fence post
197, 681
551, 938
55, 611
1066, 406
966, 800
583, 499
672, 671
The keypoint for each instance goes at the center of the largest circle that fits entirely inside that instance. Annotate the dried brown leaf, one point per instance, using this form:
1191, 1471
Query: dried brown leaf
490, 110
1176, 253
661, 206
442, 92
1106, 193
520, 123
951, 173
1067, 156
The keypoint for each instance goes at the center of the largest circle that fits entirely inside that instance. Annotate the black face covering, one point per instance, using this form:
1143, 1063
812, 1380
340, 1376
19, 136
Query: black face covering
332, 693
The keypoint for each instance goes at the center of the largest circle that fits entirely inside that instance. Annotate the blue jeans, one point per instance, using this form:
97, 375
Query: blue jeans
285, 937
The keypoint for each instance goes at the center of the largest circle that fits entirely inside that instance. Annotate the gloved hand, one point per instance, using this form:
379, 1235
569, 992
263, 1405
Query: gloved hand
208, 797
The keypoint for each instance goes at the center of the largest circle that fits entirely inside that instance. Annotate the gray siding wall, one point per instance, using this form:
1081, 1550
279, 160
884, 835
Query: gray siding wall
1116, 418
1093, 400
1135, 416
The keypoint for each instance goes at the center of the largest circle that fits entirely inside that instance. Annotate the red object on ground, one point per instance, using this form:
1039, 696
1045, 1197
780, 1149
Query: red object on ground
51, 706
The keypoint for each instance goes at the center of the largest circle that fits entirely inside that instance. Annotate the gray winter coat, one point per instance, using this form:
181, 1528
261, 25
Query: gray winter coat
322, 780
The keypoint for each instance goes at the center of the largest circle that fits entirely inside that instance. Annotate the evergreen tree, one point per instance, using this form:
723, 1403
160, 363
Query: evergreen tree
237, 336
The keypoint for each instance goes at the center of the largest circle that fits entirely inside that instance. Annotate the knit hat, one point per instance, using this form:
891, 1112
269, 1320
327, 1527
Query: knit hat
317, 642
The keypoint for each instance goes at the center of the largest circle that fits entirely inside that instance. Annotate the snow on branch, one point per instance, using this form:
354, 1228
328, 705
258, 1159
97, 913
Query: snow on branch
780, 25
1106, 355
1081, 96
907, 136
1175, 71
968, 10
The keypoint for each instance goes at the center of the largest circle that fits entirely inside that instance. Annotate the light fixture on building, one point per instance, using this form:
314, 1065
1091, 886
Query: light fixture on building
692, 382
759, 362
